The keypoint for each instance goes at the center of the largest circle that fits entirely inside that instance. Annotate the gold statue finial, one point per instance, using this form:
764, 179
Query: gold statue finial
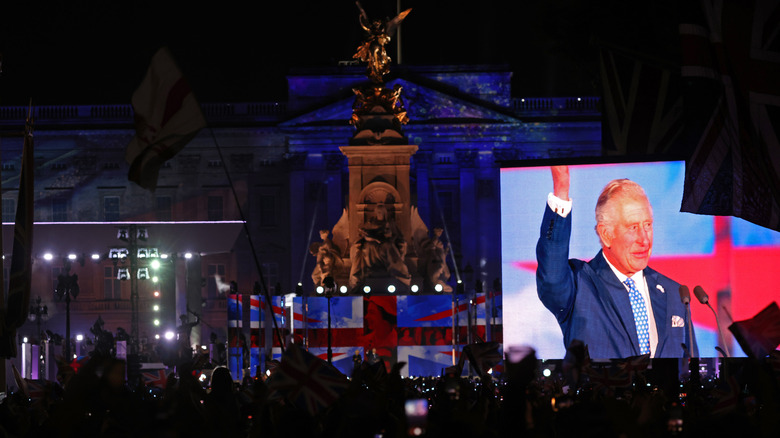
373, 50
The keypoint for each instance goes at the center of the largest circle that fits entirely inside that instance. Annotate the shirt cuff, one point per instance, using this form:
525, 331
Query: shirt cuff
558, 205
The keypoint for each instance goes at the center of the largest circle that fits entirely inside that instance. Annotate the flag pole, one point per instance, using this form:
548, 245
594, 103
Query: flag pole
3, 386
249, 238
14, 312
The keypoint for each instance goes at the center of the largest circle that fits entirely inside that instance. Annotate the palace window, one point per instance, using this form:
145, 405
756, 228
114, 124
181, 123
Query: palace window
112, 287
59, 210
271, 276
9, 210
215, 208
164, 211
111, 208
267, 210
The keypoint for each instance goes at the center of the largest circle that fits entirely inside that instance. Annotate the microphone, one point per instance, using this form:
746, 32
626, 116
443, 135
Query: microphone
685, 294
685, 297
702, 296
704, 299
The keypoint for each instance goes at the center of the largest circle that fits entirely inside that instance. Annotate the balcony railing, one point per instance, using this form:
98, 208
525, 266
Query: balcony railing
123, 113
259, 111
556, 106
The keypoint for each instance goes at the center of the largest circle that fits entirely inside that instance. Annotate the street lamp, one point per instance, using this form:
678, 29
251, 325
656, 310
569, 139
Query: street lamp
37, 314
67, 287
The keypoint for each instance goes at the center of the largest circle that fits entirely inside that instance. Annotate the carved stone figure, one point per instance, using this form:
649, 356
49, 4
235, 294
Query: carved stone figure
380, 250
372, 51
328, 254
434, 261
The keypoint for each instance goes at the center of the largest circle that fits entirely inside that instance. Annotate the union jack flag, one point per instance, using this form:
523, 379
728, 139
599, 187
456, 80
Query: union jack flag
726, 397
156, 378
642, 104
307, 381
608, 377
39, 391
731, 55
635, 364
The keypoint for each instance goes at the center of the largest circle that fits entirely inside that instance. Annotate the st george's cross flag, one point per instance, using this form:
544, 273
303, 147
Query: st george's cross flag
167, 117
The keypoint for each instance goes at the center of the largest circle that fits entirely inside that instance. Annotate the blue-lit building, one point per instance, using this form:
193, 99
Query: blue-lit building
278, 166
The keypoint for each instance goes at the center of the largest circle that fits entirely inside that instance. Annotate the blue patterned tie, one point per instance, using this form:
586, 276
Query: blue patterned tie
640, 316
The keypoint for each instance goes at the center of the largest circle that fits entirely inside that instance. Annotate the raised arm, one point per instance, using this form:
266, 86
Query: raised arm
560, 176
554, 276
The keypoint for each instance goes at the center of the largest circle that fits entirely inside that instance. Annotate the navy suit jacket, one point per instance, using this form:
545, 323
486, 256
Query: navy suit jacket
592, 305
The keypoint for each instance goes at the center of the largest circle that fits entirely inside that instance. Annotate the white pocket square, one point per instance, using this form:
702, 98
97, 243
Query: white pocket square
677, 321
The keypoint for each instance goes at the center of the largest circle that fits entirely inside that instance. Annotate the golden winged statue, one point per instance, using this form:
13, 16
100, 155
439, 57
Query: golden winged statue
372, 51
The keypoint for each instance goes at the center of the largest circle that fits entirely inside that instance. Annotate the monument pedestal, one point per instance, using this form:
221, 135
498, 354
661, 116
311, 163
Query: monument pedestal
376, 232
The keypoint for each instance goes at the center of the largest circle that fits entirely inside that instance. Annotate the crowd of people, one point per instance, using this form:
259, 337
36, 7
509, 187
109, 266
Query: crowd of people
519, 398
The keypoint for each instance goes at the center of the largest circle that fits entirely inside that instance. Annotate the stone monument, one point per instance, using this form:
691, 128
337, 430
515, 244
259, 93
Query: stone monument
381, 238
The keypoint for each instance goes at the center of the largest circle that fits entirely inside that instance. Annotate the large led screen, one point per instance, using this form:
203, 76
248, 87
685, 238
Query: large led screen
731, 259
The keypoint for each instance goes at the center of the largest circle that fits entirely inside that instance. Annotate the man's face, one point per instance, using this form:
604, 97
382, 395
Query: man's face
629, 242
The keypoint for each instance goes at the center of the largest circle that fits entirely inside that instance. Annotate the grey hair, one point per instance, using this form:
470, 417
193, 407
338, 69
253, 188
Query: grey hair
624, 188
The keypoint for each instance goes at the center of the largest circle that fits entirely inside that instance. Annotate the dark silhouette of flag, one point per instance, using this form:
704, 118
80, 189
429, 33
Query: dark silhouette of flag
731, 63
41, 393
483, 356
20, 277
307, 381
167, 117
725, 397
642, 104
774, 364
759, 335
607, 377
635, 366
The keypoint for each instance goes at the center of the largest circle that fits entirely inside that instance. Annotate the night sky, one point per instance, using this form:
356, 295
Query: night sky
84, 52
